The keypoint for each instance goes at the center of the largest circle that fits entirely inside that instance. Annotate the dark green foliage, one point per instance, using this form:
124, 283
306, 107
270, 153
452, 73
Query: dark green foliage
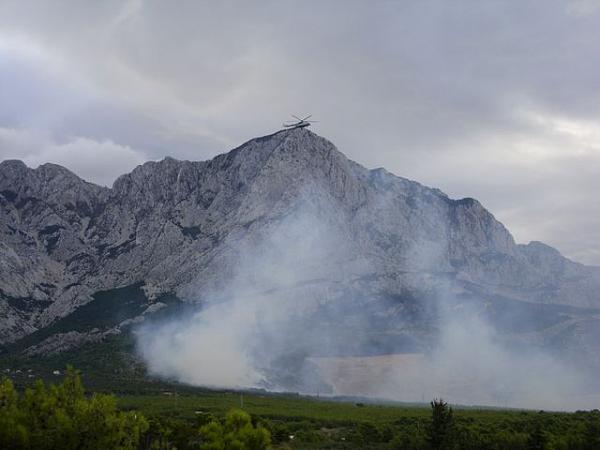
12, 427
538, 437
236, 433
409, 439
318, 423
107, 309
280, 432
62, 417
440, 431
591, 436
367, 433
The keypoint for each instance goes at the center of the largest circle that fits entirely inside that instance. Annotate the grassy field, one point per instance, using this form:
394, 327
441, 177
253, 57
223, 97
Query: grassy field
176, 412
297, 407
338, 423
272, 406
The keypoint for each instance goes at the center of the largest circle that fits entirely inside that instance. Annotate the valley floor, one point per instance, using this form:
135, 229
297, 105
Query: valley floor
306, 422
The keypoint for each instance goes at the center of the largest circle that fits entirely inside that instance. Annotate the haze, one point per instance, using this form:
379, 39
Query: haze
292, 319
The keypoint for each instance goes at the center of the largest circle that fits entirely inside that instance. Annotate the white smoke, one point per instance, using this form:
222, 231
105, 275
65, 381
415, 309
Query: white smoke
471, 365
234, 338
293, 309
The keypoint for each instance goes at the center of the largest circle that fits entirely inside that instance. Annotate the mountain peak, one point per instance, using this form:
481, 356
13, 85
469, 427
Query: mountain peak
12, 168
175, 226
12, 163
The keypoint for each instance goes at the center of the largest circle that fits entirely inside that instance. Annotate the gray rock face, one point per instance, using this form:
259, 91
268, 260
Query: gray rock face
177, 226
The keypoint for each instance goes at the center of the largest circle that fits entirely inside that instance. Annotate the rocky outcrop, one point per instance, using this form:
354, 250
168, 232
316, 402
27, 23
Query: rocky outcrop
177, 227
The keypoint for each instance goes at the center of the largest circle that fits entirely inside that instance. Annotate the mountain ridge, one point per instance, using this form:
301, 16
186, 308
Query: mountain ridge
177, 227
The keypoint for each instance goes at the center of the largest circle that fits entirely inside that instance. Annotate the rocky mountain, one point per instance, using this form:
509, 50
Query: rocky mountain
79, 262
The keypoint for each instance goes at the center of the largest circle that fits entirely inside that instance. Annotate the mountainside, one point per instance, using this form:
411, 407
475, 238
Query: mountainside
171, 232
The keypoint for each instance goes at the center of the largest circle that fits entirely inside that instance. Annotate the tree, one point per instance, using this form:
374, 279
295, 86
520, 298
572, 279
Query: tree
592, 430
61, 416
439, 435
12, 430
236, 433
538, 437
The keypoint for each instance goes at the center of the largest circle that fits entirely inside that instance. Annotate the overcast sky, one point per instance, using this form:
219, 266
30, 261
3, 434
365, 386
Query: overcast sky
497, 100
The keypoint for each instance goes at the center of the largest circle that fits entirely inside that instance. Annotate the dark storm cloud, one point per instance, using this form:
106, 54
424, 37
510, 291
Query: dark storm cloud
495, 100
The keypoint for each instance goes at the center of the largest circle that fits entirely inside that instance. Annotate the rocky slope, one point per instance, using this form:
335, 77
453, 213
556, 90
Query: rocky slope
179, 227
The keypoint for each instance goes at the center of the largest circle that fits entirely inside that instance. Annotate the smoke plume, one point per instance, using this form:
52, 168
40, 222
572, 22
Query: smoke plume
296, 315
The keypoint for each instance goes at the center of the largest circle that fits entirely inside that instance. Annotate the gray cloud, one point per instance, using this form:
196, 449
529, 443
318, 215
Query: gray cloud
494, 100
90, 159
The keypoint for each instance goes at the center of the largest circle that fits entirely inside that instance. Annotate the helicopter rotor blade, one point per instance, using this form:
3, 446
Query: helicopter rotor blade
307, 117
296, 117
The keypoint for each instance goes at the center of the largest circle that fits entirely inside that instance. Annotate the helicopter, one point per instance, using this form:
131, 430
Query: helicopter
301, 123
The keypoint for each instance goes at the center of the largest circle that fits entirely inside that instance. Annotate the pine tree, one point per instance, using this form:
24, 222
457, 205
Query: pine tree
237, 433
439, 434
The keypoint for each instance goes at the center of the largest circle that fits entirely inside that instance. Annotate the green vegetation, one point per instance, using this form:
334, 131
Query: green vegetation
61, 417
309, 423
107, 309
441, 427
237, 432
171, 416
